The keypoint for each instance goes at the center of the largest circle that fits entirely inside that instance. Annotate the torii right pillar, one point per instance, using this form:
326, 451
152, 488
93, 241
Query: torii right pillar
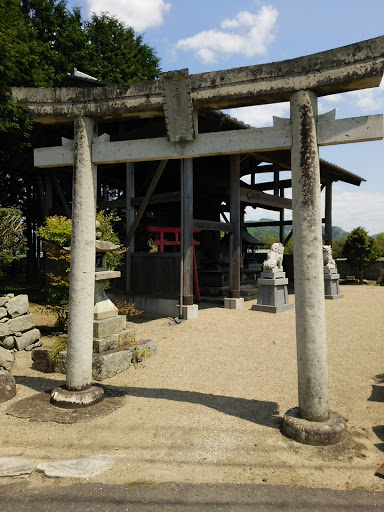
312, 422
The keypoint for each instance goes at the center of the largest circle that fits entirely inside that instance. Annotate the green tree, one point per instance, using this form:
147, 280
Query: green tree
40, 41
359, 249
116, 54
379, 244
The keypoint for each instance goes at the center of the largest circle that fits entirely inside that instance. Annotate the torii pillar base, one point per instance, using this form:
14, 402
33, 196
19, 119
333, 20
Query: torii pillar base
66, 399
315, 433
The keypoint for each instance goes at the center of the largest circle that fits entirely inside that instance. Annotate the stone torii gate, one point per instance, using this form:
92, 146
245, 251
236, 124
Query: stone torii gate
179, 97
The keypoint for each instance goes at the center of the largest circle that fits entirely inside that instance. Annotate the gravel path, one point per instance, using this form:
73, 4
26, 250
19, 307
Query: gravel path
207, 407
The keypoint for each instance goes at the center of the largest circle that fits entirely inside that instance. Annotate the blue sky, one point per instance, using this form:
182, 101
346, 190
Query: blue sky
207, 35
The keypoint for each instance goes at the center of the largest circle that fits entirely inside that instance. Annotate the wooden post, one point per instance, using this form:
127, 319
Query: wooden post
235, 245
187, 228
129, 194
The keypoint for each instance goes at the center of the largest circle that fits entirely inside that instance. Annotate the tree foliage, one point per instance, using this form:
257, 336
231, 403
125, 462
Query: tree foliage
12, 239
359, 249
40, 42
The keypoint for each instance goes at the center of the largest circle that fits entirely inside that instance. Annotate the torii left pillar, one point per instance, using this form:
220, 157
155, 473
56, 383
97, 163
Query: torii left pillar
78, 391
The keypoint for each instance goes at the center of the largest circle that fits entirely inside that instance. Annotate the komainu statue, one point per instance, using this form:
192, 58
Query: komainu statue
329, 262
274, 261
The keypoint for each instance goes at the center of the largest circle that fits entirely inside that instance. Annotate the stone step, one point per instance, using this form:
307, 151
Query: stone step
104, 364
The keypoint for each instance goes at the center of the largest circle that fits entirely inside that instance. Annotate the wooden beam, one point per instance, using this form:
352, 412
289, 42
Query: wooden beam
260, 198
167, 197
145, 202
211, 225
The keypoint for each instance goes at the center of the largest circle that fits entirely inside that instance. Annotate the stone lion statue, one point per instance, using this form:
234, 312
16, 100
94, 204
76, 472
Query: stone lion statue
329, 262
274, 261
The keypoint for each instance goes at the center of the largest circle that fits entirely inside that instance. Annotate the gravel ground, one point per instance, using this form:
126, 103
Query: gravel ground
207, 407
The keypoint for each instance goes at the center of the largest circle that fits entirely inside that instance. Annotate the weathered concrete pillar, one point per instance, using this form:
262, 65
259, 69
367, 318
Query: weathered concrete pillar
78, 390
312, 422
234, 301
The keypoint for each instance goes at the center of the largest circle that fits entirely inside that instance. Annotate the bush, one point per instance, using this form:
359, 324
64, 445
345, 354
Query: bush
57, 235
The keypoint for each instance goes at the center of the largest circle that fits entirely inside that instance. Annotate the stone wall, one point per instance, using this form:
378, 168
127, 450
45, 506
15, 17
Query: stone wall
372, 272
17, 328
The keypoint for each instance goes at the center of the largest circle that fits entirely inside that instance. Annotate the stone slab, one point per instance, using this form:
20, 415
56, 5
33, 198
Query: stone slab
7, 358
18, 324
108, 364
86, 467
108, 326
335, 297
18, 306
273, 282
7, 386
114, 341
231, 303
332, 276
272, 275
27, 338
3, 312
15, 466
272, 309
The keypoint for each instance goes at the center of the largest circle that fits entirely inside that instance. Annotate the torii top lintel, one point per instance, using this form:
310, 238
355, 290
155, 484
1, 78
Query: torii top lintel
357, 66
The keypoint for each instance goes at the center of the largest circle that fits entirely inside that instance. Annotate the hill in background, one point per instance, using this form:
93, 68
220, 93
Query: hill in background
273, 231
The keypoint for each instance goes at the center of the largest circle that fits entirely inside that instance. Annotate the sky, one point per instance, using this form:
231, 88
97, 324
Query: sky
210, 35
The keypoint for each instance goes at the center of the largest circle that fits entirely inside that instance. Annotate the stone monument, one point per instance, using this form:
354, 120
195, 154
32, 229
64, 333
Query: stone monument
331, 276
273, 285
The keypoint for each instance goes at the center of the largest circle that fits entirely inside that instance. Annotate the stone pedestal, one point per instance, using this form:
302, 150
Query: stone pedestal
232, 303
190, 312
273, 293
332, 284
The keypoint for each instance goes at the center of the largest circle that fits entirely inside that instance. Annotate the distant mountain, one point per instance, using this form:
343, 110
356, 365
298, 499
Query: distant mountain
273, 231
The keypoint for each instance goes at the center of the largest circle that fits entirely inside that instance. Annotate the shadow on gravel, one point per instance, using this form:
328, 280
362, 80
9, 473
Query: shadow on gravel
257, 411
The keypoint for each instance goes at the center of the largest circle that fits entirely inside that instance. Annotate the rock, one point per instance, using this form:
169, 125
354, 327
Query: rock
77, 468
7, 358
35, 344
41, 361
15, 466
5, 298
8, 342
17, 306
7, 386
20, 323
27, 338
3, 312
111, 363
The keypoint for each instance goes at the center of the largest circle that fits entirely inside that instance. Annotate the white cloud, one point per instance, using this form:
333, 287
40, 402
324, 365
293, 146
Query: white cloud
138, 14
358, 208
246, 34
261, 115
366, 101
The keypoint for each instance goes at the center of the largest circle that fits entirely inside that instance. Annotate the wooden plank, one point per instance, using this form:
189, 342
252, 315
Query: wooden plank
167, 197
256, 197
211, 225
